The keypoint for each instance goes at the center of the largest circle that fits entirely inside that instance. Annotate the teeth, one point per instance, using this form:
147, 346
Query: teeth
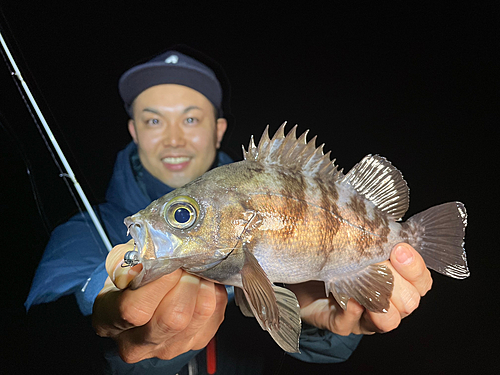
176, 160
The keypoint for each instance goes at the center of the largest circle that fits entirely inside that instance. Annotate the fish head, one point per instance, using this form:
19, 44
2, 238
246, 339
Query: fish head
182, 229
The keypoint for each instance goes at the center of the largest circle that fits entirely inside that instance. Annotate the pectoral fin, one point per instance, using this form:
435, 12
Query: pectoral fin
276, 309
370, 287
287, 336
259, 292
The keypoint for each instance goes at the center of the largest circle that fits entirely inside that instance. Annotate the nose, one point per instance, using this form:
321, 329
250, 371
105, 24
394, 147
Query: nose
174, 135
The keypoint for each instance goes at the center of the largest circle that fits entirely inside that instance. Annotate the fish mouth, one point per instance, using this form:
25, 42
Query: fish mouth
156, 251
151, 243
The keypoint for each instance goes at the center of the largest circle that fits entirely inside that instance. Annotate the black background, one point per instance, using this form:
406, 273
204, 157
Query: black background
415, 82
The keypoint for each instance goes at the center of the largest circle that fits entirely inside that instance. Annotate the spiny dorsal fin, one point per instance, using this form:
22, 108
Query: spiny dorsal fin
379, 181
292, 153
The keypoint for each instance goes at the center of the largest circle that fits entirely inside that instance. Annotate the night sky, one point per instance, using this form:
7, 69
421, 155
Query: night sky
415, 83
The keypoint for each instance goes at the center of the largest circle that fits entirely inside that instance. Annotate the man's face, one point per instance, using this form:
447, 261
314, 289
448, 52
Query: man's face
176, 133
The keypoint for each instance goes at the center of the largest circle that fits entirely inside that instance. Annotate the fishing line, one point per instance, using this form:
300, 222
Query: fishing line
30, 169
69, 172
36, 195
24, 155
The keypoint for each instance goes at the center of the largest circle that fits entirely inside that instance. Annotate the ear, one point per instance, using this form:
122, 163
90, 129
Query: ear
221, 127
131, 130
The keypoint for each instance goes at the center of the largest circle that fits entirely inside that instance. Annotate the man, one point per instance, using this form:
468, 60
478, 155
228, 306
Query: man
176, 124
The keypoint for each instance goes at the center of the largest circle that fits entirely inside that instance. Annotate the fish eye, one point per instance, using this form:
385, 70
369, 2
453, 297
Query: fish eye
181, 212
182, 215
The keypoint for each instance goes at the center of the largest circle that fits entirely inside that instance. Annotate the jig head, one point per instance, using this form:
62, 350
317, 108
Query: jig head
131, 258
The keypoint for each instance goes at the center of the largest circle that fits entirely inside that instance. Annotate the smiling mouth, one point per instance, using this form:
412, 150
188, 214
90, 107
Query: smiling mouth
175, 160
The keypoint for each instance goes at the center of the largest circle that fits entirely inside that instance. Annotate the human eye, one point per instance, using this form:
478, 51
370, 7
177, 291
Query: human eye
153, 122
191, 120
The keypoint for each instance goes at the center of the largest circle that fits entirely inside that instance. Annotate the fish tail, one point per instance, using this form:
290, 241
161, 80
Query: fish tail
438, 235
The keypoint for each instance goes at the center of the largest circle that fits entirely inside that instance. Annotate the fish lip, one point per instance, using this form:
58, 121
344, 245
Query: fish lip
137, 232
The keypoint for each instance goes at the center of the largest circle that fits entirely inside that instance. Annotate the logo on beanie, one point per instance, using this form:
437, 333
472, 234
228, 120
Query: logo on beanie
172, 59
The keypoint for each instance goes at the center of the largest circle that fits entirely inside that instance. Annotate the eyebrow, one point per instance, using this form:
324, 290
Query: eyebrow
152, 110
156, 112
187, 109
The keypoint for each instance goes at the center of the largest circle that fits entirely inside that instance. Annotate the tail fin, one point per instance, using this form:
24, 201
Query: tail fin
439, 238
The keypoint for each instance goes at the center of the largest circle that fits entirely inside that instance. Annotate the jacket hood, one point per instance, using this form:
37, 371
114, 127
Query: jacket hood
123, 190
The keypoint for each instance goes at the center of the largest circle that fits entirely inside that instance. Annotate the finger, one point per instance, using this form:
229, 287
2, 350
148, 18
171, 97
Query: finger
411, 266
308, 292
372, 322
176, 310
204, 308
347, 321
164, 335
108, 286
116, 311
207, 316
149, 310
115, 256
405, 296
137, 307
119, 275
210, 327
123, 276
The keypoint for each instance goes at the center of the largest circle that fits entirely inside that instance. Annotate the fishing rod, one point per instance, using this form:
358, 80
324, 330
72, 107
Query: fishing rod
69, 172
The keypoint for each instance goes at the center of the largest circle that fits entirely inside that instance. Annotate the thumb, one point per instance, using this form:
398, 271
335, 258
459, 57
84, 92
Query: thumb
411, 266
121, 276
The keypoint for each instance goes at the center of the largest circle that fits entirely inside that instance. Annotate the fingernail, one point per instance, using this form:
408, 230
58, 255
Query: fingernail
403, 255
121, 281
205, 285
122, 276
190, 279
134, 271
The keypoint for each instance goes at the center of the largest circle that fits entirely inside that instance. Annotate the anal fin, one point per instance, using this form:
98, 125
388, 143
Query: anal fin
371, 287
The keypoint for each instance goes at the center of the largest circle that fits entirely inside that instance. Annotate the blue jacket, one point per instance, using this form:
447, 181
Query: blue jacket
73, 263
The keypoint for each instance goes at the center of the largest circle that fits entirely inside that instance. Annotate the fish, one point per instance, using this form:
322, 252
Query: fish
286, 214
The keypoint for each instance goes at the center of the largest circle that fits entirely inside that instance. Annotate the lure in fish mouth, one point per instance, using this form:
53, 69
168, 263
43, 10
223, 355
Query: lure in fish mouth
286, 214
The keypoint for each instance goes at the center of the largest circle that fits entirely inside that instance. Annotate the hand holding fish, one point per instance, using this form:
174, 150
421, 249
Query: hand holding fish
412, 280
169, 316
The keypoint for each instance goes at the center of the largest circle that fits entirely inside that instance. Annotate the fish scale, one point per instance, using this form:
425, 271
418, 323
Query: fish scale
286, 214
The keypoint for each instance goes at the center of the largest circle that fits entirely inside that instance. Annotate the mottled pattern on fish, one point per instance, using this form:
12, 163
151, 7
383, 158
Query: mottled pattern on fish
287, 215
312, 228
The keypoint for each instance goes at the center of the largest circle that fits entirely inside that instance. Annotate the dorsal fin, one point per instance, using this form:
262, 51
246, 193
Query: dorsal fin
380, 182
292, 153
